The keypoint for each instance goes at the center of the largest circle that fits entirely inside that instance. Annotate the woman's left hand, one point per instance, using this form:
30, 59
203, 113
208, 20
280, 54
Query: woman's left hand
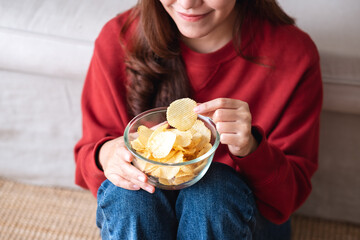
233, 122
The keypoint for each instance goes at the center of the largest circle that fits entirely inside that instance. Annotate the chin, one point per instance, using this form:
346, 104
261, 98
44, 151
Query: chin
193, 34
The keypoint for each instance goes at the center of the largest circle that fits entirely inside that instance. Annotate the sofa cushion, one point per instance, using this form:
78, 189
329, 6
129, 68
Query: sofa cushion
80, 19
44, 55
39, 125
53, 38
341, 77
333, 26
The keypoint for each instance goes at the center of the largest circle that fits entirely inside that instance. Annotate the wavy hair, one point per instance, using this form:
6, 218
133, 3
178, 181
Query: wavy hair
156, 71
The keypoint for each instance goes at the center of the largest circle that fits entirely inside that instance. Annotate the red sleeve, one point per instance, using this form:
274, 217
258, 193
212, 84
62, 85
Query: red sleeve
102, 104
280, 170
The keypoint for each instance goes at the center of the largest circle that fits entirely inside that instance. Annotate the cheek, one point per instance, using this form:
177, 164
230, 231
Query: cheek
166, 2
223, 5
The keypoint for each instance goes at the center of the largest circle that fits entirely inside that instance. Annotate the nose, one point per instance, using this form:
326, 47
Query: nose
187, 4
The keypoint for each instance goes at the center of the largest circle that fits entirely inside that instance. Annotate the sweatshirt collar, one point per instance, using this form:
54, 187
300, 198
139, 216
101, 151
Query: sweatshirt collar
221, 55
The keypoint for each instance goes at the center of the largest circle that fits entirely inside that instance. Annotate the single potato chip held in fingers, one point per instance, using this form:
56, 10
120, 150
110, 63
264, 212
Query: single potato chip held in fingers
180, 114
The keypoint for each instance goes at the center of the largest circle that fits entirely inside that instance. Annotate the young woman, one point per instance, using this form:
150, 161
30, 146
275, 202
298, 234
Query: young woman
252, 71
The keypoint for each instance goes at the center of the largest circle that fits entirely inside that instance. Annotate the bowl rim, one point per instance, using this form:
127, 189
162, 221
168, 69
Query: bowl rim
161, 109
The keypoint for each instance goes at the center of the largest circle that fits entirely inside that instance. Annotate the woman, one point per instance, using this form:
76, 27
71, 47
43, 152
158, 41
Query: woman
252, 71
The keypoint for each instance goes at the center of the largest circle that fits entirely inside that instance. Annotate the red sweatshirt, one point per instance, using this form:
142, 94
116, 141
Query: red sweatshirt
284, 98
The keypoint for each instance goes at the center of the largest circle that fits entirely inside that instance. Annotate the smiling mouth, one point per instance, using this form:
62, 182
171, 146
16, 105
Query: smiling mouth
192, 17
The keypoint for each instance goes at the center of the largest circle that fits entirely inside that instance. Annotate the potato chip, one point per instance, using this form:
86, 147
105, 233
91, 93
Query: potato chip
183, 138
157, 130
205, 149
161, 127
180, 114
188, 152
165, 181
165, 172
164, 159
137, 145
199, 127
195, 140
144, 134
182, 179
161, 143
146, 153
199, 166
144, 166
186, 170
177, 158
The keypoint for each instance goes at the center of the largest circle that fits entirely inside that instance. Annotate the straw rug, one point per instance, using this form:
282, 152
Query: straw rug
44, 213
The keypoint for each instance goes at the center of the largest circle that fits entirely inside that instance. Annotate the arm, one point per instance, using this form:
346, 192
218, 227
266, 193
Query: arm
99, 126
280, 170
100, 153
280, 167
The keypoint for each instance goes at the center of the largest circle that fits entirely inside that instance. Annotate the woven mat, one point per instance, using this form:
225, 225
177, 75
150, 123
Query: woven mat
308, 228
43, 213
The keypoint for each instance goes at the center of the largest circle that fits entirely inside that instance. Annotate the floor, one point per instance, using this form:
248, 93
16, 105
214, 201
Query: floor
43, 213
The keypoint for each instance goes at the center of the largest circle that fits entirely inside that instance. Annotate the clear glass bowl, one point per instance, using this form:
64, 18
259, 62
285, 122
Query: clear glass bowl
201, 164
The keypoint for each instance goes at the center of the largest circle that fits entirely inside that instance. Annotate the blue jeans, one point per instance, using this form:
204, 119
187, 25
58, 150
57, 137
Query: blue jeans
219, 206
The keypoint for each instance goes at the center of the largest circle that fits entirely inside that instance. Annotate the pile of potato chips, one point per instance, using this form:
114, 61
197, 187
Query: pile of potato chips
187, 138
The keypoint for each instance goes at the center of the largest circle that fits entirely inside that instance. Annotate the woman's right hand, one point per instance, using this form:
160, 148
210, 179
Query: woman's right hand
115, 160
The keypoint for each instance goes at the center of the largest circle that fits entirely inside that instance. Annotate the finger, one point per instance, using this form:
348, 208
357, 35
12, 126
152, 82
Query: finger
237, 146
231, 115
137, 177
121, 182
228, 127
215, 104
208, 114
118, 178
233, 127
128, 172
238, 140
145, 186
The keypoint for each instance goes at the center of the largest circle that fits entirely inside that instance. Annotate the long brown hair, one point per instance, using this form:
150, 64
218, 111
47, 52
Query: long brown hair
156, 71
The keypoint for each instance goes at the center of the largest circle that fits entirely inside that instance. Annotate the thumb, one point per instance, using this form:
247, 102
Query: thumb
124, 154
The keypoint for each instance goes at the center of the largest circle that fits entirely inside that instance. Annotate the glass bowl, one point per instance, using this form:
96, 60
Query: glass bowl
200, 165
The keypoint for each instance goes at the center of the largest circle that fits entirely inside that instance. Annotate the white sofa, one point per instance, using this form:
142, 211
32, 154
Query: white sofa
45, 49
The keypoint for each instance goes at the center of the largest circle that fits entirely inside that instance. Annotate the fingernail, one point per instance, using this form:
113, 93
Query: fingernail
197, 109
149, 189
141, 178
128, 157
136, 187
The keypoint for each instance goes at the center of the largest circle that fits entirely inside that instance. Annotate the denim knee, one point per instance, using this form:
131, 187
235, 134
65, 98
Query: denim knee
220, 206
125, 214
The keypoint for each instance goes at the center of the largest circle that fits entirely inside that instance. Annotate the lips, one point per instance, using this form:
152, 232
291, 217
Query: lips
192, 17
